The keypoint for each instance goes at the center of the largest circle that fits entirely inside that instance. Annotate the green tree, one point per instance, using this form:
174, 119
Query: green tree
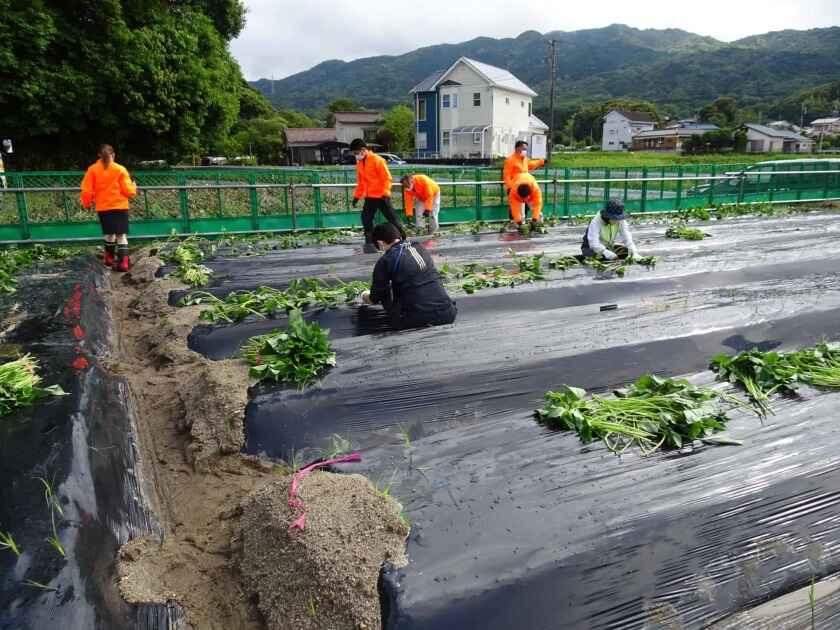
155, 79
398, 124
723, 112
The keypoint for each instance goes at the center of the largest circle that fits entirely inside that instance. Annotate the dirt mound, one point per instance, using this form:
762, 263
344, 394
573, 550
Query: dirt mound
326, 575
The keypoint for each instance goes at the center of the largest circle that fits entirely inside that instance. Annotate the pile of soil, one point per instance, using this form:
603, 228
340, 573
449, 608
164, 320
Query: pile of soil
190, 415
326, 575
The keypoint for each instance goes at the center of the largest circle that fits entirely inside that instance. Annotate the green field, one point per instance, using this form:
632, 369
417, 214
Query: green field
620, 159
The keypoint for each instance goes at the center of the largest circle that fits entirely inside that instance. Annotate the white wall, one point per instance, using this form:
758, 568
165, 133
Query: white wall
349, 132
770, 144
618, 132
503, 111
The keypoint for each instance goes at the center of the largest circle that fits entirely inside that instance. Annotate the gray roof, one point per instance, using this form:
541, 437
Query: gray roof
775, 133
536, 123
825, 121
633, 116
499, 77
496, 76
428, 84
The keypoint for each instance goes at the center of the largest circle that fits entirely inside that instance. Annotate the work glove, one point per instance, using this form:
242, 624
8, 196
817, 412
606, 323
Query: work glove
609, 254
355, 202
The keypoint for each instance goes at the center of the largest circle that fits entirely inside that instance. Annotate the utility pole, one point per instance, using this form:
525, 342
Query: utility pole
802, 113
552, 63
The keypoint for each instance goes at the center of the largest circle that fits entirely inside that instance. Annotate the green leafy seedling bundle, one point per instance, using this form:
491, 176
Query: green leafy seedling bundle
652, 413
761, 374
682, 231
20, 384
300, 354
302, 293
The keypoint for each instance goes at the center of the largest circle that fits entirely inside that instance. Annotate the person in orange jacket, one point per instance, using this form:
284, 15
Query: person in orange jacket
421, 196
373, 185
525, 190
108, 187
516, 164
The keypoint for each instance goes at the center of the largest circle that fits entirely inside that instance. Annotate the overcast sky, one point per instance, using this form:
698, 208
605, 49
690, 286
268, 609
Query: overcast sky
283, 37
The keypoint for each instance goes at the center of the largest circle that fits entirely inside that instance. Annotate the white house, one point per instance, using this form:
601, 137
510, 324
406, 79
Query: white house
352, 125
825, 126
620, 126
763, 139
473, 109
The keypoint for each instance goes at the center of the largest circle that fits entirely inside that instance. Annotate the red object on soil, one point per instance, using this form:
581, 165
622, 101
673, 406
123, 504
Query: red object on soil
295, 502
78, 332
80, 363
73, 306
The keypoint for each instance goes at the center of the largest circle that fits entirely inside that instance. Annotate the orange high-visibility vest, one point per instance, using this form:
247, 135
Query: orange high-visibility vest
516, 164
108, 188
425, 189
534, 200
373, 179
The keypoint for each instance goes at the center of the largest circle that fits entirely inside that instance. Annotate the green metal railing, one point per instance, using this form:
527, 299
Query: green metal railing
43, 206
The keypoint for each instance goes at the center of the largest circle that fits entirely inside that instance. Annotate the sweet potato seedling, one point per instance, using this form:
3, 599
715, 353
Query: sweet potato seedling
20, 384
7, 543
652, 413
299, 354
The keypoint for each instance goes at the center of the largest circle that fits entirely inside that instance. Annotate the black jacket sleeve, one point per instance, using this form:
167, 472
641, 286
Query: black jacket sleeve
380, 290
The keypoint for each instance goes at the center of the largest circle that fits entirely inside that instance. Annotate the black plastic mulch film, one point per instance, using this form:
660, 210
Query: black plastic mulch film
83, 444
516, 526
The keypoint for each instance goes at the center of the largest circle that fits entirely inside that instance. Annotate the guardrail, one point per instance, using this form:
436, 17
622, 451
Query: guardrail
216, 201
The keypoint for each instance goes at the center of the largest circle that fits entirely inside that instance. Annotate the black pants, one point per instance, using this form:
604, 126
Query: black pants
383, 205
401, 320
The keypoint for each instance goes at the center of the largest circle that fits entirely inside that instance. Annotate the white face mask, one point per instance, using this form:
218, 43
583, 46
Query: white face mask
523, 152
359, 156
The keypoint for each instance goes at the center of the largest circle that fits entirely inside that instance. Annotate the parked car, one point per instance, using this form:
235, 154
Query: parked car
393, 159
390, 158
209, 160
760, 178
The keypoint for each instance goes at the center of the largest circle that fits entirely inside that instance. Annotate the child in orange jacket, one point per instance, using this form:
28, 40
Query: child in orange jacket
108, 186
525, 190
421, 196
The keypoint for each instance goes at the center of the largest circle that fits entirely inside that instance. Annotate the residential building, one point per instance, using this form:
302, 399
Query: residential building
784, 125
313, 145
352, 125
825, 126
473, 109
764, 139
620, 126
672, 137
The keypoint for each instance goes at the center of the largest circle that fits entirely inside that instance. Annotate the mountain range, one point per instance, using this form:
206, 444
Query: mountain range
678, 70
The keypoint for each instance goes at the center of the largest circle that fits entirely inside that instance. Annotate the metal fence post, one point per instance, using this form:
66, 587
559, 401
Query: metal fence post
626, 182
316, 198
290, 191
479, 211
678, 204
567, 174
772, 182
219, 195
254, 201
712, 185
607, 175
23, 215
588, 176
643, 200
63, 183
184, 203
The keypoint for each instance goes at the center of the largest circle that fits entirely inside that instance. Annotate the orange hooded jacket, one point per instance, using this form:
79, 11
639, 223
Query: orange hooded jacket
109, 188
373, 179
425, 189
516, 164
534, 200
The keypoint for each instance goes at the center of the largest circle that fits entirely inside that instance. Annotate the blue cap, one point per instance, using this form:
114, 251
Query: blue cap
614, 210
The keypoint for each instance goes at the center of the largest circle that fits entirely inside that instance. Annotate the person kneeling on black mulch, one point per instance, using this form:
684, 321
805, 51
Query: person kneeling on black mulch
406, 283
608, 234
